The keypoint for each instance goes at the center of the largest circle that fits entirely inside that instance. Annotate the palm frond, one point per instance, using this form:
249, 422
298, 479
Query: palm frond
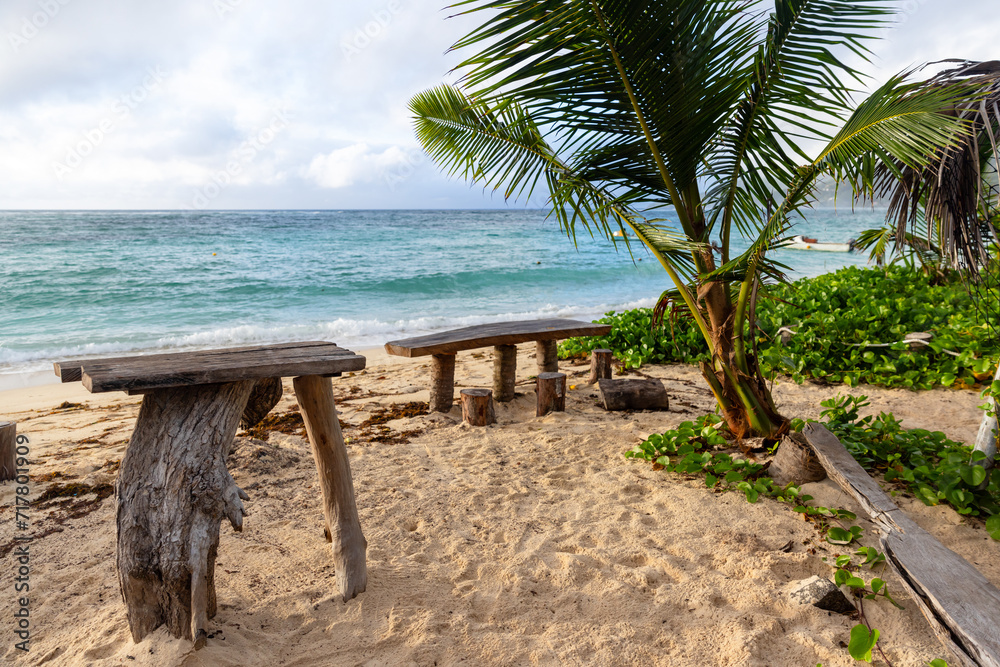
958, 187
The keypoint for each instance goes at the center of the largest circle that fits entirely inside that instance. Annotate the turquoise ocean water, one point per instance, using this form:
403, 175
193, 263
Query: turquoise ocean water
99, 283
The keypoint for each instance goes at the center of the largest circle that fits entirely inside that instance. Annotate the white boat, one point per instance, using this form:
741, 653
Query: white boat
806, 243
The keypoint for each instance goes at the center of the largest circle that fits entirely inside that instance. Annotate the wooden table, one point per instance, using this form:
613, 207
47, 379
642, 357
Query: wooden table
173, 488
504, 336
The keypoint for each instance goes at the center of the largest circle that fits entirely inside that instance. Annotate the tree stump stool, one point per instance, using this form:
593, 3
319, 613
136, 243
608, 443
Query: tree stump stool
173, 487
477, 407
600, 365
8, 451
551, 393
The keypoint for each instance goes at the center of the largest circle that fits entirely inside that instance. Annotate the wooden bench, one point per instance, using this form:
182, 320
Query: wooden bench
504, 337
173, 488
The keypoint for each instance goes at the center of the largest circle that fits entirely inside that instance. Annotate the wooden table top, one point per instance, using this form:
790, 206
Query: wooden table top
180, 369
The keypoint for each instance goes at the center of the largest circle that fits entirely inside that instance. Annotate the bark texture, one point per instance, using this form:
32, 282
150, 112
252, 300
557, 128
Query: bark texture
172, 491
600, 365
547, 354
551, 393
265, 395
477, 407
795, 461
442, 382
646, 394
315, 398
504, 372
8, 450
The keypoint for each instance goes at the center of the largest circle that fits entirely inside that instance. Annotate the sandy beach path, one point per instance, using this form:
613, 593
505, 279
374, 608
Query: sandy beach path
533, 541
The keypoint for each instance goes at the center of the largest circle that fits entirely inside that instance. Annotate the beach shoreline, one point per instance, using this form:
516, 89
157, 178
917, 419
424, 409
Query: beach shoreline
533, 541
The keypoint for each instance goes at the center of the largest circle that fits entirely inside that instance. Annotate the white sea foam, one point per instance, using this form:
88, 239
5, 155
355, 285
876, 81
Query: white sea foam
355, 334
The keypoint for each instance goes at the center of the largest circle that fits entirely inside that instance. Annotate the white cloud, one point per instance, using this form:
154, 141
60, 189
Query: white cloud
355, 164
349, 142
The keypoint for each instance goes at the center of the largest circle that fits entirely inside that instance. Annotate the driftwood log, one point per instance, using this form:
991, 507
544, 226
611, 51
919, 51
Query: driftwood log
547, 353
264, 396
442, 382
795, 461
477, 407
315, 398
8, 451
959, 603
600, 365
645, 394
172, 491
551, 393
504, 372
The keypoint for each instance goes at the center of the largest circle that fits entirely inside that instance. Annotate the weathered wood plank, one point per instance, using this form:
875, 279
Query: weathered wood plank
72, 370
960, 604
499, 333
137, 374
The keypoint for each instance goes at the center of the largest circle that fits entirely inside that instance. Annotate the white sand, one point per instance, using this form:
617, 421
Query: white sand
530, 542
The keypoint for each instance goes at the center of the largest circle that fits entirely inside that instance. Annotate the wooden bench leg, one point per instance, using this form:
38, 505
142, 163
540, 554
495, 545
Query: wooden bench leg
504, 372
315, 397
547, 356
172, 491
442, 382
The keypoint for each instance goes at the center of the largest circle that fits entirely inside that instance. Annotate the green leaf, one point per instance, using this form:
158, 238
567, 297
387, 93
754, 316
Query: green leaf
710, 480
973, 475
937, 662
862, 642
840, 577
993, 526
838, 535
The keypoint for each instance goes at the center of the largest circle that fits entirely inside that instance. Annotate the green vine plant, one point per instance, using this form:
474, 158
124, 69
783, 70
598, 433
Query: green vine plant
926, 464
702, 448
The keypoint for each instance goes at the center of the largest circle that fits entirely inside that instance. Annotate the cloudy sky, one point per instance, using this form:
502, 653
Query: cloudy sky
266, 104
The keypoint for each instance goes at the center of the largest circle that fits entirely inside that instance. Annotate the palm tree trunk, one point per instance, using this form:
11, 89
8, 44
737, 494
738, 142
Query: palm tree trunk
735, 379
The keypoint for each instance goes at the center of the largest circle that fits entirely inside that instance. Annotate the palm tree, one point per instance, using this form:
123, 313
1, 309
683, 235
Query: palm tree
951, 204
624, 109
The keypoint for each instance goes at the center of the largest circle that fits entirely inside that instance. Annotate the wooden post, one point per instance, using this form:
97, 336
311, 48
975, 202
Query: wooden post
477, 407
442, 382
551, 391
172, 491
504, 372
8, 451
315, 397
600, 365
547, 354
